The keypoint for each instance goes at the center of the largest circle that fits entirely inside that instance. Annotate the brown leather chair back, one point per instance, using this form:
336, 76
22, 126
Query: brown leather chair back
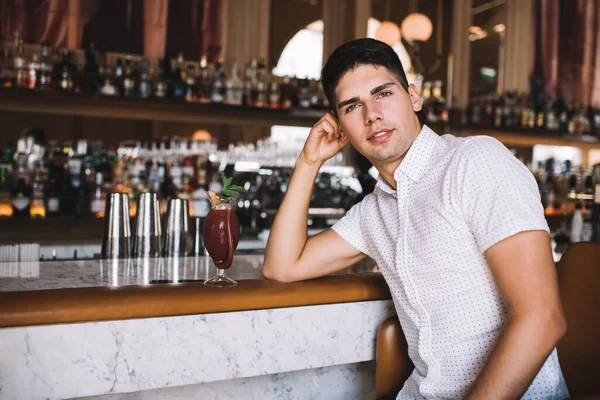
579, 349
392, 365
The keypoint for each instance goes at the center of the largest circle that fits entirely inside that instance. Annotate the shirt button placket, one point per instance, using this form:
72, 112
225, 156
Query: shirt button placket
402, 194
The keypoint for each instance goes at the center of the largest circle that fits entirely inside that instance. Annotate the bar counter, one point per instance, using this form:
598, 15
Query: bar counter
148, 329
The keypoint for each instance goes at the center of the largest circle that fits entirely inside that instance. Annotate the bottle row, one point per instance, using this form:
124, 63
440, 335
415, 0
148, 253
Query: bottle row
571, 195
40, 180
533, 113
180, 79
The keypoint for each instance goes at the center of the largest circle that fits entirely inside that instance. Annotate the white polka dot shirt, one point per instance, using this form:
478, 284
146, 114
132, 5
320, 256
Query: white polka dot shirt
455, 198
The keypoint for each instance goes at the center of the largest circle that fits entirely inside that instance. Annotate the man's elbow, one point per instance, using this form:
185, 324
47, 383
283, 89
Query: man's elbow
559, 325
548, 324
277, 274
553, 325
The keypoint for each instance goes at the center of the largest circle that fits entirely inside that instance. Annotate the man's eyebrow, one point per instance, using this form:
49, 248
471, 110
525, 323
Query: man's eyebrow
373, 91
346, 102
381, 87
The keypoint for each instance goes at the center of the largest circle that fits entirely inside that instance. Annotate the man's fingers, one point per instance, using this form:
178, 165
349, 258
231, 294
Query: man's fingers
327, 126
329, 129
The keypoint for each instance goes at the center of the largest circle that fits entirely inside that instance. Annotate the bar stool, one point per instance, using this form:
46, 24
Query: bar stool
578, 351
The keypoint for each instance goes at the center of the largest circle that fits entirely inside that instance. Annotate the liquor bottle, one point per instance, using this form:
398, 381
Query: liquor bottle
596, 204
235, 87
98, 198
128, 81
145, 83
576, 225
314, 94
200, 200
564, 117
261, 85
64, 72
203, 82
572, 194
20, 64
45, 67
90, 79
163, 86
594, 118
217, 94
136, 74
5, 68
21, 198
191, 93
185, 191
588, 206
6, 206
108, 86
303, 93
119, 72
37, 208
250, 90
176, 175
287, 93
33, 72
83, 197
178, 82
274, 94
552, 123
56, 181
52, 198
76, 179
66, 81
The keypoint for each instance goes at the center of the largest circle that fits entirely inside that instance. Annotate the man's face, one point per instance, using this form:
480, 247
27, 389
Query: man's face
377, 114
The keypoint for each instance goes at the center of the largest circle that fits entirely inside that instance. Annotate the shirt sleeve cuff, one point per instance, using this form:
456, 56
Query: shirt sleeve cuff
509, 229
351, 234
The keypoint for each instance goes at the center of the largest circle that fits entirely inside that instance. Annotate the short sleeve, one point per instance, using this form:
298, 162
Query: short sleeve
498, 196
348, 227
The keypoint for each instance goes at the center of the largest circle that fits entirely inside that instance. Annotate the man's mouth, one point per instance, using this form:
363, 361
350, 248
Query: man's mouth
380, 135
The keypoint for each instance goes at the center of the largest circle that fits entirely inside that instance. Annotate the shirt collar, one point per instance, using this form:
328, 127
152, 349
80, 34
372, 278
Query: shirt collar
416, 160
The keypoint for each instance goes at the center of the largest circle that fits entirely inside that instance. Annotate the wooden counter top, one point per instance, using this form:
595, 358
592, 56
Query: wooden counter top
41, 307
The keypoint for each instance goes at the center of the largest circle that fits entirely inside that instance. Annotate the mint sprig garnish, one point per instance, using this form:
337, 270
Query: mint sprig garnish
230, 191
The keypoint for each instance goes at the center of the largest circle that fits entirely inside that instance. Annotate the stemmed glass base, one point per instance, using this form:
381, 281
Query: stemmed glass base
220, 280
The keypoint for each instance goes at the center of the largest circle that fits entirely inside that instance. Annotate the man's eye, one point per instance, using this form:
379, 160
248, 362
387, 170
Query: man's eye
385, 94
350, 108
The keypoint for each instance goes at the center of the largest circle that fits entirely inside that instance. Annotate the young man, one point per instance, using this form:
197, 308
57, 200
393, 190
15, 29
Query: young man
455, 225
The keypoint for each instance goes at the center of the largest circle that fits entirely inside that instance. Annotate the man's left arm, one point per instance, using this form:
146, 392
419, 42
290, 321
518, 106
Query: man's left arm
524, 271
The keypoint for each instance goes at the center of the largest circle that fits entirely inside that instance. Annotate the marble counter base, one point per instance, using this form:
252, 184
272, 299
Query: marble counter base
348, 382
87, 359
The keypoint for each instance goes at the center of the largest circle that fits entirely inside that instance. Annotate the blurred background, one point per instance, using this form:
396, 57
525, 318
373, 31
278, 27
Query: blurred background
163, 95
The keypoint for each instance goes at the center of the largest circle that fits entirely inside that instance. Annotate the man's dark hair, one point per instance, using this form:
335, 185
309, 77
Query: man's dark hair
358, 52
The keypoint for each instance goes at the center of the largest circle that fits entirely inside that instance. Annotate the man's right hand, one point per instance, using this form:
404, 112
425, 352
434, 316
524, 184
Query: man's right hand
324, 140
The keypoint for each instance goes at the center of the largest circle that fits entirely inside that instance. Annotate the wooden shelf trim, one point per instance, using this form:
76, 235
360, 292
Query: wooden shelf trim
530, 139
56, 103
78, 104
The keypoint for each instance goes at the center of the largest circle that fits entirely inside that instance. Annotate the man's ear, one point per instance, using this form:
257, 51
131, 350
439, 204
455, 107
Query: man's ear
415, 97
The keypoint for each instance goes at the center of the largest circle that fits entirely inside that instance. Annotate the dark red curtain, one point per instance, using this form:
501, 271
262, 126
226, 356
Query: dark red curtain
124, 26
35, 21
211, 29
155, 27
194, 28
567, 62
117, 26
546, 30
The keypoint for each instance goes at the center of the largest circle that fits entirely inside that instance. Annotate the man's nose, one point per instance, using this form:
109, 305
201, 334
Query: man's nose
372, 113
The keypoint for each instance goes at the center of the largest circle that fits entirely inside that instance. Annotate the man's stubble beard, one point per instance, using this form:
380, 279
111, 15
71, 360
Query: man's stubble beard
388, 153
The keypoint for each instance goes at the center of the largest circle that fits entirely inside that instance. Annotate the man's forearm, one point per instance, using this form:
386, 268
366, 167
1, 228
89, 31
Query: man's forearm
289, 230
520, 352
